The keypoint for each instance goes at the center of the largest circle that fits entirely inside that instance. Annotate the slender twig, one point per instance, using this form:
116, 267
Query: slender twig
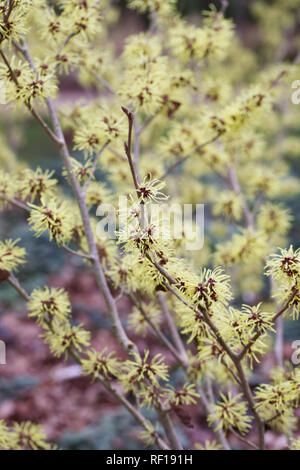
173, 330
170, 430
95, 163
98, 269
185, 364
147, 122
104, 83
117, 154
127, 146
135, 413
10, 8
23, 49
278, 346
208, 402
248, 395
67, 40
235, 185
279, 327
231, 371
78, 253
15, 202
259, 333
136, 149
157, 331
15, 283
181, 160
122, 399
205, 314
243, 439
216, 424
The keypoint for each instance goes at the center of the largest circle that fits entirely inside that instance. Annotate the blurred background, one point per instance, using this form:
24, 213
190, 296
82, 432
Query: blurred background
33, 385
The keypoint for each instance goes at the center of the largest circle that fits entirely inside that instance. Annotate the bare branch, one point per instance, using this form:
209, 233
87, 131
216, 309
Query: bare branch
243, 439
15, 202
15, 283
183, 159
127, 146
157, 331
173, 330
95, 163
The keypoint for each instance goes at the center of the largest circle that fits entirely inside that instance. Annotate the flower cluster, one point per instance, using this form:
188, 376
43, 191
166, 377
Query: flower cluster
23, 436
11, 255
53, 216
284, 267
143, 370
37, 184
103, 363
49, 305
230, 411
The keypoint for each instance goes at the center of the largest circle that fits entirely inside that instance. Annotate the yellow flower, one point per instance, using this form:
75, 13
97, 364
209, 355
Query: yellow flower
7, 187
102, 363
11, 255
36, 87
16, 24
231, 412
213, 287
247, 247
229, 204
5, 437
96, 127
148, 435
97, 193
37, 184
275, 397
28, 436
138, 318
284, 266
49, 305
274, 220
186, 395
256, 319
143, 369
295, 444
82, 171
63, 338
209, 445
160, 6
53, 216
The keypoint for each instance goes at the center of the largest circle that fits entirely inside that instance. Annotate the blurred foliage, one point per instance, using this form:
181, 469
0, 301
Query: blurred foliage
11, 388
107, 433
